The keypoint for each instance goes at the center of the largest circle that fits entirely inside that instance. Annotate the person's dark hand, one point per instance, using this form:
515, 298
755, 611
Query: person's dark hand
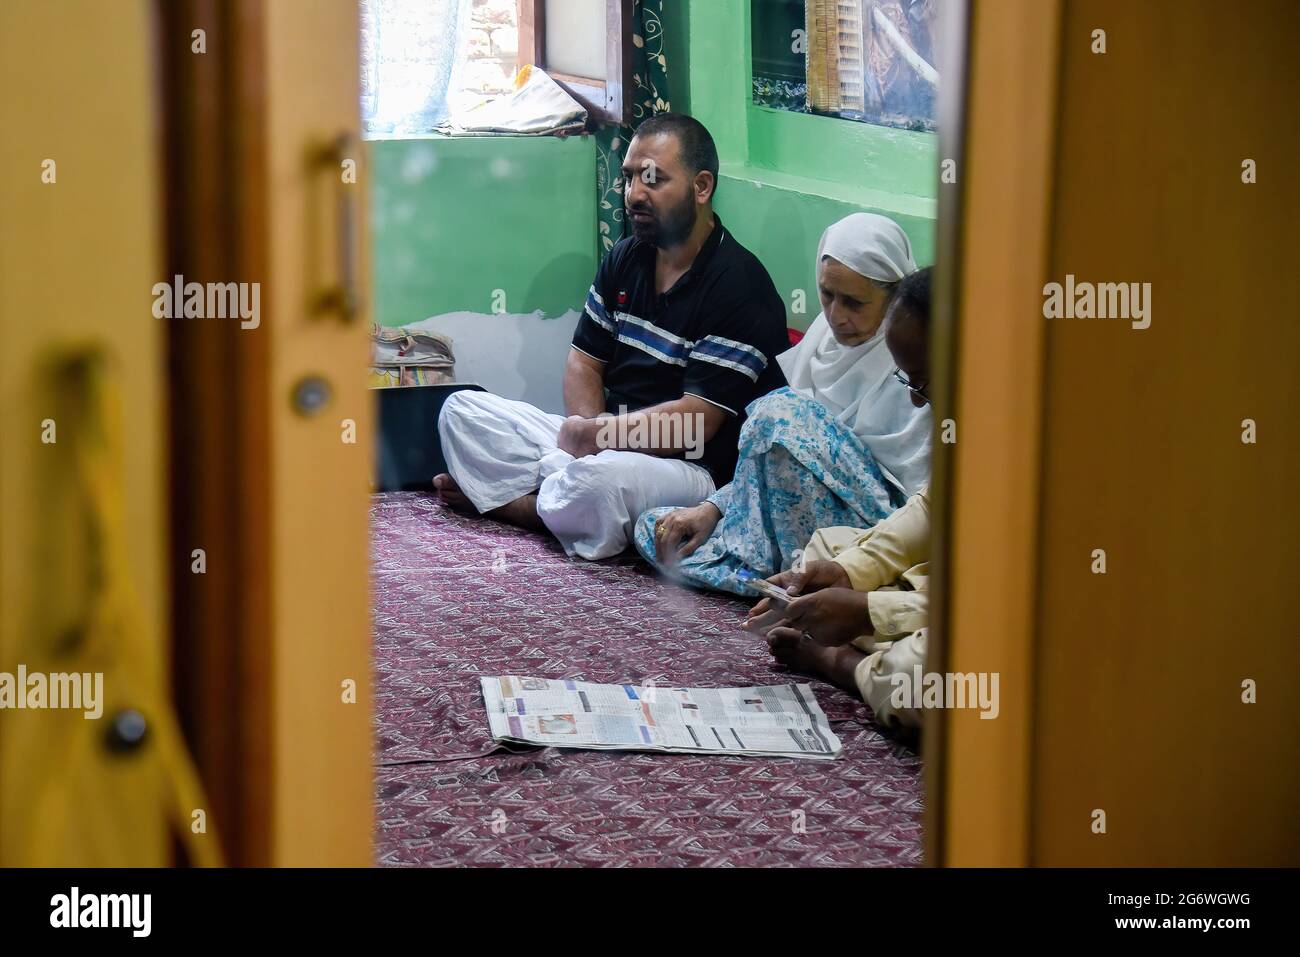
578, 436
681, 531
833, 616
814, 576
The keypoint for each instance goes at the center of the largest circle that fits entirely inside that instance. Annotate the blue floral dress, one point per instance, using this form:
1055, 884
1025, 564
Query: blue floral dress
799, 470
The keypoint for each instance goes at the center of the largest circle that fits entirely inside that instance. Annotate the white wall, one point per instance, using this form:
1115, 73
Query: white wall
514, 356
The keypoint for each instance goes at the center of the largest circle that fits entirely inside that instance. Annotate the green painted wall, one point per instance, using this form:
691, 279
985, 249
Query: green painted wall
782, 227
850, 155
453, 219
677, 50
787, 176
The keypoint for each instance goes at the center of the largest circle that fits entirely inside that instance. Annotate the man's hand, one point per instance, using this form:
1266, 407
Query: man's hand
814, 576
578, 436
833, 616
683, 530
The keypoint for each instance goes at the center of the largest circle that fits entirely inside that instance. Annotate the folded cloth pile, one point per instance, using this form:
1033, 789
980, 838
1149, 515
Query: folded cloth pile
537, 106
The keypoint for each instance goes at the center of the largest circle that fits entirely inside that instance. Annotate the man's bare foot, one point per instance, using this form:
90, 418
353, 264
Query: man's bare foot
451, 494
522, 512
835, 664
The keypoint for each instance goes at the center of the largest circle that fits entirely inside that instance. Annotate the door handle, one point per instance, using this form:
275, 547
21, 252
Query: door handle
340, 298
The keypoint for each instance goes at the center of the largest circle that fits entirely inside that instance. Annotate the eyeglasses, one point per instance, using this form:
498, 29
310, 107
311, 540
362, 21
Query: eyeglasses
914, 389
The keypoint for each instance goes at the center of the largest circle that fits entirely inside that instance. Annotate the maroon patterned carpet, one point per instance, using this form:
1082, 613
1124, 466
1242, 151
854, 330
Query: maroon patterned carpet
456, 598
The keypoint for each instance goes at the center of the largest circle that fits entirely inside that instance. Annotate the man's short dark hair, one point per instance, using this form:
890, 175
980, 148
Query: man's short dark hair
697, 148
912, 296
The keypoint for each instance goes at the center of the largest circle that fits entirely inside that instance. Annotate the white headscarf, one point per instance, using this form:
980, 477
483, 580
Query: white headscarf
856, 383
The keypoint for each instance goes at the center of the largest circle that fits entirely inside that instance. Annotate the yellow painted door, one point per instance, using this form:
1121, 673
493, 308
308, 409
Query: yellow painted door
1120, 544
322, 782
95, 560
82, 459
272, 424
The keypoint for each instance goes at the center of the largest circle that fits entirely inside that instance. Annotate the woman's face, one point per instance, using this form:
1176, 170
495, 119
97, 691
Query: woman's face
853, 304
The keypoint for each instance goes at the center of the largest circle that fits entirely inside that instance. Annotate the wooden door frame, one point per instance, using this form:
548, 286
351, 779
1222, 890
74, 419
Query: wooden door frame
213, 146
993, 256
943, 360
272, 424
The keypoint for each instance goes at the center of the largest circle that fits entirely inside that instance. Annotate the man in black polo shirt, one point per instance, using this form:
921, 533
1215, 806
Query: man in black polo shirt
678, 335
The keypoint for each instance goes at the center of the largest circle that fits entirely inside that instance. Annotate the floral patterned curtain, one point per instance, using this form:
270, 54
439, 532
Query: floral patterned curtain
650, 96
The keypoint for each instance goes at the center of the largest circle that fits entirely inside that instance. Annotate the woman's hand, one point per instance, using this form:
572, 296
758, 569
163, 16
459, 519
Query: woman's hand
814, 576
833, 616
683, 530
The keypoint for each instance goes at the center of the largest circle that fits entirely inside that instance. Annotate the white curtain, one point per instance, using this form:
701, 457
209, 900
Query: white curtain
411, 55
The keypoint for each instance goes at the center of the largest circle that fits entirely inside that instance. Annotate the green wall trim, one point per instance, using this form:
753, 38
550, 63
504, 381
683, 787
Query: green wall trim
845, 152
872, 200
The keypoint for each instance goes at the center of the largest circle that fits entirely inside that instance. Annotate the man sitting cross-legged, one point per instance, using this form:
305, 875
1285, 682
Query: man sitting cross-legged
679, 334
863, 603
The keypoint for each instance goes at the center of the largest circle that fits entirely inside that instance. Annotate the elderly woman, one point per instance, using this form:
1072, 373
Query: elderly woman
862, 605
843, 445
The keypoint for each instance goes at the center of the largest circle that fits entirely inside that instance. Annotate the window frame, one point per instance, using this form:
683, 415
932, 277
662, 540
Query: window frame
607, 99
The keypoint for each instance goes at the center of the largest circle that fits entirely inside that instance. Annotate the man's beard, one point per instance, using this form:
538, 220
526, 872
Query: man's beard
671, 230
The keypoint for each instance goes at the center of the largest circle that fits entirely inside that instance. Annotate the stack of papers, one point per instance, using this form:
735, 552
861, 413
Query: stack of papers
782, 721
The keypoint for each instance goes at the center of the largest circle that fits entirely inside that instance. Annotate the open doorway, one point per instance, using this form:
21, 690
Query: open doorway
506, 269
312, 298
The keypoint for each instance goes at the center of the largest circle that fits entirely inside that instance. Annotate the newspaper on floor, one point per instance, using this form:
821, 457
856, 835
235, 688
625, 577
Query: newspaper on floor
778, 721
